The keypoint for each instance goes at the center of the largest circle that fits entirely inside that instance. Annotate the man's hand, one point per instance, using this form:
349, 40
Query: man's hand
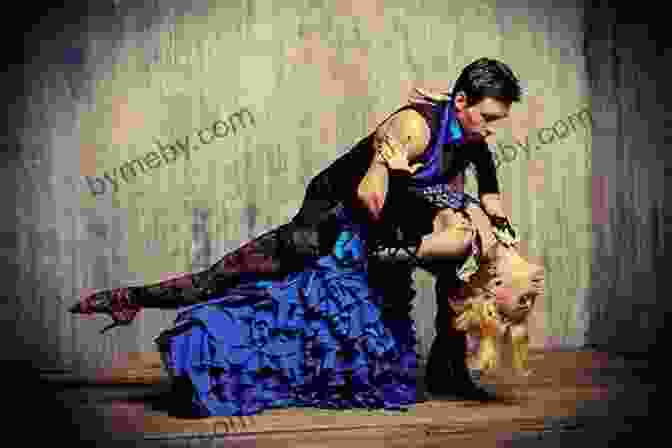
492, 205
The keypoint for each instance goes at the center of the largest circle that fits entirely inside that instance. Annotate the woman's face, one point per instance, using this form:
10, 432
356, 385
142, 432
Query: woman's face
477, 120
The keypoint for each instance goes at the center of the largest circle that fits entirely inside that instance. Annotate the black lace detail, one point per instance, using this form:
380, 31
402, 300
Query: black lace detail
442, 196
272, 255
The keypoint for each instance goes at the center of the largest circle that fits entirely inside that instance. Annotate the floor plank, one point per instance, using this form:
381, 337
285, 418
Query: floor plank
566, 390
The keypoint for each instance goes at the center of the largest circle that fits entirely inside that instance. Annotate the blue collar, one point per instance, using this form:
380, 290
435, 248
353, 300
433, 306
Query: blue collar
451, 131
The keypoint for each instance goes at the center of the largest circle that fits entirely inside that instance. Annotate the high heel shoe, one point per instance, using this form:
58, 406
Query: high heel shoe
116, 303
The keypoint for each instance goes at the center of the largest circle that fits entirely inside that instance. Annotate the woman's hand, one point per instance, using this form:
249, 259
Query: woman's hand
395, 156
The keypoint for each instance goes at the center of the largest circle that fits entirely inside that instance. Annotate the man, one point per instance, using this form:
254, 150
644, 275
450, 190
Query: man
412, 165
482, 95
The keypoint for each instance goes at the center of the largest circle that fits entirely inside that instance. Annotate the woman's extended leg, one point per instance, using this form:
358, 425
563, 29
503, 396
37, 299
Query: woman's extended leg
272, 255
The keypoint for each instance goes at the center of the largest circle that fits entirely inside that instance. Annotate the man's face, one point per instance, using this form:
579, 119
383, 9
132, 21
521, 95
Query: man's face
478, 119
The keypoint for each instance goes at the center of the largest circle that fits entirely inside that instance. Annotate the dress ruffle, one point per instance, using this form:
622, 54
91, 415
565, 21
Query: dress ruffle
315, 339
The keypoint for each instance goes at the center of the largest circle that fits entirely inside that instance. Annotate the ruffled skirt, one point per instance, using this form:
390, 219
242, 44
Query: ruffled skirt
315, 339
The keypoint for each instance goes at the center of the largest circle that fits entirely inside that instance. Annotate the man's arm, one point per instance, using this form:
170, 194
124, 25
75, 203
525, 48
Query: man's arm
488, 189
406, 132
488, 185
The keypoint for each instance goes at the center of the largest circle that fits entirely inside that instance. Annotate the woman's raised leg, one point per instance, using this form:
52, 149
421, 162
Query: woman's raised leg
270, 256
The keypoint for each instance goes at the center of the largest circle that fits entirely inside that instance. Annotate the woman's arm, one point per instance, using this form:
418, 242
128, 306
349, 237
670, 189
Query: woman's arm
406, 132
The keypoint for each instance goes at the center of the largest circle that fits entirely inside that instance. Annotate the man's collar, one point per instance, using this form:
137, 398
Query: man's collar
453, 131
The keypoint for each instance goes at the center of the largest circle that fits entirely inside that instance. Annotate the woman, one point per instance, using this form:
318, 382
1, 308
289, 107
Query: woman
293, 318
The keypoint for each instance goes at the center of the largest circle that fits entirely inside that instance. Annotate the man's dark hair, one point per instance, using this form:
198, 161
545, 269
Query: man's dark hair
488, 78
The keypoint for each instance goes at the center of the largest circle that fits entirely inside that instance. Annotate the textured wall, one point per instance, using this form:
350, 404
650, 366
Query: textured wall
627, 305
315, 77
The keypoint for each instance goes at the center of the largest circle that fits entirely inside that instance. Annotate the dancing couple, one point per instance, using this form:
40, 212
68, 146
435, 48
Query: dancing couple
316, 312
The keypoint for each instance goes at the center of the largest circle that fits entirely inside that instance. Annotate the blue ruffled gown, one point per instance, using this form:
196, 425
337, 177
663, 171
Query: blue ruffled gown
316, 339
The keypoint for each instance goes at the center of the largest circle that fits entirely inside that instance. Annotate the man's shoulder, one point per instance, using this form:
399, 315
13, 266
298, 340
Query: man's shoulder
411, 122
416, 114
407, 124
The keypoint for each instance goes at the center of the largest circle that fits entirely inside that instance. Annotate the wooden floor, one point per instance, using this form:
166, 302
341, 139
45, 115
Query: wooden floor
571, 398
